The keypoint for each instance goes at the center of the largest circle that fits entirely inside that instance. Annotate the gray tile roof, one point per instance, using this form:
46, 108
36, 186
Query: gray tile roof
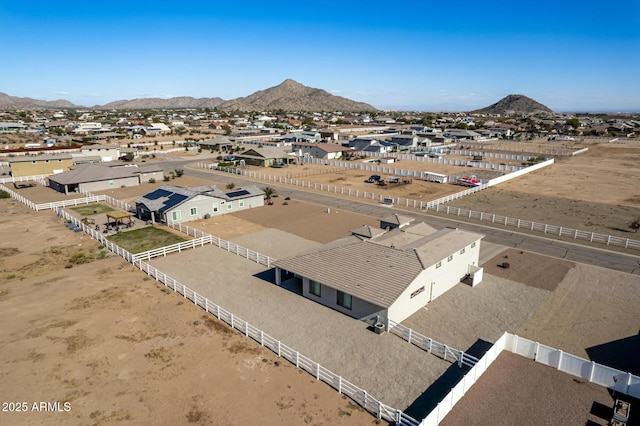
374, 270
364, 269
96, 172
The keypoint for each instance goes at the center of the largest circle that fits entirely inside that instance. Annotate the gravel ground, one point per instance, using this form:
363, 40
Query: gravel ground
518, 391
389, 369
275, 243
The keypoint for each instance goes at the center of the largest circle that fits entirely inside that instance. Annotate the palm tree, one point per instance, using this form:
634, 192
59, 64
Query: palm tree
268, 194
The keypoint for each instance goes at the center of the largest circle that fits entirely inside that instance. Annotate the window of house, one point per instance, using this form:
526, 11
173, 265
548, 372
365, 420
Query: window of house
450, 258
314, 288
473, 244
462, 251
344, 300
215, 207
194, 211
439, 264
229, 205
175, 215
240, 203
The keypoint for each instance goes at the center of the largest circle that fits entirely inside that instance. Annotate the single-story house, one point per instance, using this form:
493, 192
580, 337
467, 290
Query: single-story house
6, 127
217, 144
265, 156
171, 203
156, 129
325, 151
309, 137
40, 164
371, 145
100, 176
377, 277
462, 134
106, 152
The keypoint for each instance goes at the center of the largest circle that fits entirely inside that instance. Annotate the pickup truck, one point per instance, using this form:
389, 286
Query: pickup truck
373, 179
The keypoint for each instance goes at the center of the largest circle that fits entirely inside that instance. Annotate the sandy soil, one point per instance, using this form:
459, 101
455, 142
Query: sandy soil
518, 391
596, 191
120, 350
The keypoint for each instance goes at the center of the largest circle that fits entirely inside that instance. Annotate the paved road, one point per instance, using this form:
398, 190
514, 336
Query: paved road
575, 252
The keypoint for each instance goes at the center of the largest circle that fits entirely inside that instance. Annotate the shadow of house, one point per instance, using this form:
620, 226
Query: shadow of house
435, 393
622, 354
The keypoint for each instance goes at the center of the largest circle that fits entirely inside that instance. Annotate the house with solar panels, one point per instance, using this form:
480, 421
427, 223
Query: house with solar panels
171, 203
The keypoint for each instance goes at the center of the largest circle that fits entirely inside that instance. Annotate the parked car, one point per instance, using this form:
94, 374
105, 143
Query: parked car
373, 179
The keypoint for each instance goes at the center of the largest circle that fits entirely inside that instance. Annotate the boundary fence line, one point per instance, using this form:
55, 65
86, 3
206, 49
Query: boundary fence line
437, 205
436, 348
560, 231
344, 387
591, 371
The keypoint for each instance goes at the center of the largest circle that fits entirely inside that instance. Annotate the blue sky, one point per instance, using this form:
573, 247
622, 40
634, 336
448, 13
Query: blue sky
407, 55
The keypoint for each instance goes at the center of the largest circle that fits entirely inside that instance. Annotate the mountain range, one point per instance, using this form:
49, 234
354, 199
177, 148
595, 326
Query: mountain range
287, 96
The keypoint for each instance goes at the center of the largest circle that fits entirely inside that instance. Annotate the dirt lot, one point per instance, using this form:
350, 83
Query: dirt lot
118, 349
596, 191
518, 391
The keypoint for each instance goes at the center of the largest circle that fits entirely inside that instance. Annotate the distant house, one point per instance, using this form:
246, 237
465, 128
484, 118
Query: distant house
371, 145
326, 151
217, 144
106, 152
405, 141
102, 176
156, 129
378, 276
462, 134
264, 156
11, 127
309, 137
171, 203
40, 165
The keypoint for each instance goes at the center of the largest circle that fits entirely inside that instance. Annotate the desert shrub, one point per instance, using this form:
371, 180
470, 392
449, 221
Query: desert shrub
287, 198
79, 258
152, 180
4, 194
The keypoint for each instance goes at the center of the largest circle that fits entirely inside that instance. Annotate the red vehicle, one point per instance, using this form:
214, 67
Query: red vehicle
470, 181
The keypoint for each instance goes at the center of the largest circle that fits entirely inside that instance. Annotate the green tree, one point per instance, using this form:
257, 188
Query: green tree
268, 194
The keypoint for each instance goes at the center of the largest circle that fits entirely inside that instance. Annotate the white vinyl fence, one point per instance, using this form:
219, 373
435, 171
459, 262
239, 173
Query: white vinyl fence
344, 387
560, 231
593, 372
438, 206
436, 348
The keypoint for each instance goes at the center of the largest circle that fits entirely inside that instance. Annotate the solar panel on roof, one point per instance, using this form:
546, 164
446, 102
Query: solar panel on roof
158, 193
173, 200
238, 193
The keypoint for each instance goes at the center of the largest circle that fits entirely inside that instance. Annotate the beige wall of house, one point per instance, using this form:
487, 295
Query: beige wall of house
35, 166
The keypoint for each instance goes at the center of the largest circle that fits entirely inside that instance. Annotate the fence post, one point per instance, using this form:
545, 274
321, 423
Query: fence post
206, 305
317, 371
409, 338
340, 384
195, 298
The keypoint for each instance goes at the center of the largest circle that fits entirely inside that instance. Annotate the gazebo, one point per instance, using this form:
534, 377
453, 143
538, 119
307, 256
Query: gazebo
119, 217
